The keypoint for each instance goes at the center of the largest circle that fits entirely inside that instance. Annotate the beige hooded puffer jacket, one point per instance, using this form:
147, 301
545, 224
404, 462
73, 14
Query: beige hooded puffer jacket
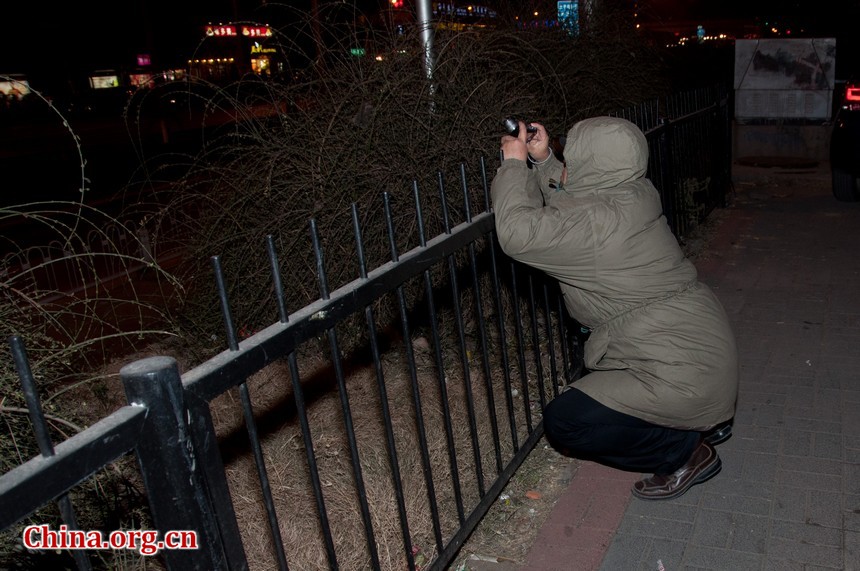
661, 347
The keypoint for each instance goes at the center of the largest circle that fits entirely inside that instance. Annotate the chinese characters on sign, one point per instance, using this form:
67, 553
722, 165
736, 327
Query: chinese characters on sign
221, 31
256, 31
230, 30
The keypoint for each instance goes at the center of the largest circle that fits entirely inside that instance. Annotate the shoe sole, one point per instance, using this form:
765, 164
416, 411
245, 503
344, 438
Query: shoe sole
709, 473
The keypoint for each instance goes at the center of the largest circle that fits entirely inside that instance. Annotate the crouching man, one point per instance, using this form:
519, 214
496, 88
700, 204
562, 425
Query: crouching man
661, 356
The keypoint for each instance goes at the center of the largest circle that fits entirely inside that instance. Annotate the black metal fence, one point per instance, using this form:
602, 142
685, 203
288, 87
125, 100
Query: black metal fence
406, 429
689, 137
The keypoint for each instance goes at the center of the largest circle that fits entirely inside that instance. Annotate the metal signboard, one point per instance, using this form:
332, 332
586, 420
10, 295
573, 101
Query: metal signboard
784, 79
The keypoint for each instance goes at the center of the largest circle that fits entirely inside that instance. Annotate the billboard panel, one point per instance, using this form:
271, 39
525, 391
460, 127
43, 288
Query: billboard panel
780, 78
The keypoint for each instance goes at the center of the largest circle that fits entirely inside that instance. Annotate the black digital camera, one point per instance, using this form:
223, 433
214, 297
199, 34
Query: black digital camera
512, 127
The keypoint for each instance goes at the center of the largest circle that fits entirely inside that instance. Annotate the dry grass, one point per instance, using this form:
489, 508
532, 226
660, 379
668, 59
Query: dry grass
288, 469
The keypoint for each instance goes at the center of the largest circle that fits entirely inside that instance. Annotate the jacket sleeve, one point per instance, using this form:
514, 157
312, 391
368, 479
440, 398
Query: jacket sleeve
528, 231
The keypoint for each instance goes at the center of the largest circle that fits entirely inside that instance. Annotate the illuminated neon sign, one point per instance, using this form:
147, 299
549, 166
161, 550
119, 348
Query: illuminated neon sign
256, 31
258, 49
221, 30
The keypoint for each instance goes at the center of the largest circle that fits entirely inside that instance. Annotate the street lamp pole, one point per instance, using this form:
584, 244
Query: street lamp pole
425, 25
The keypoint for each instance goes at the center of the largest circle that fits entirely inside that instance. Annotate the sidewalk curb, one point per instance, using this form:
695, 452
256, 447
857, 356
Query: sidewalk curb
581, 526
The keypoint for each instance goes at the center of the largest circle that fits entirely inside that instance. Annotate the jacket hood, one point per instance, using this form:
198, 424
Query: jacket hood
603, 152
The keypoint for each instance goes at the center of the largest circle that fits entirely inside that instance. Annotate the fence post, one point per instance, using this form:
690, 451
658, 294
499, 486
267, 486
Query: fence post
726, 125
172, 476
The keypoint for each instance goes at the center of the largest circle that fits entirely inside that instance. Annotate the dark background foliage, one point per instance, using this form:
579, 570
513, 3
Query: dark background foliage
349, 129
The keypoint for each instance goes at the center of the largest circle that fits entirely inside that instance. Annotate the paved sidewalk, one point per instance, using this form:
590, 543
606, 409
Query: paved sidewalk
785, 261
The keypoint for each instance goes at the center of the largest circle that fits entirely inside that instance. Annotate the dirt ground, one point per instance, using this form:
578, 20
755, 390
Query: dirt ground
504, 537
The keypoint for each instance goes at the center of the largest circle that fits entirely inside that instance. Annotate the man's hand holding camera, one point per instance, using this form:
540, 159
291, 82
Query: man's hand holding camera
526, 141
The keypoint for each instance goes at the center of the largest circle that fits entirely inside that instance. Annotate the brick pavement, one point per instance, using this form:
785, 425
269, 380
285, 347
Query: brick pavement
784, 262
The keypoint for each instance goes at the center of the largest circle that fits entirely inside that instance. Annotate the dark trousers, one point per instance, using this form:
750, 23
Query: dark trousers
579, 426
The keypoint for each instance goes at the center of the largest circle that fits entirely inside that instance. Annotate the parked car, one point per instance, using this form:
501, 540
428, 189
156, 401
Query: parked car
845, 145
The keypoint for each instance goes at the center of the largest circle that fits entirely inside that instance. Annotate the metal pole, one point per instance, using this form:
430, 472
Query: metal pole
425, 25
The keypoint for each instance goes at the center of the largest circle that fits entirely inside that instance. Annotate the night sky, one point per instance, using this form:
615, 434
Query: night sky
50, 40
54, 40
70, 35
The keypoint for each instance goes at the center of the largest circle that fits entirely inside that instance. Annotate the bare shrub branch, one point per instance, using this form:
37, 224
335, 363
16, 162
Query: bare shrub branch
348, 129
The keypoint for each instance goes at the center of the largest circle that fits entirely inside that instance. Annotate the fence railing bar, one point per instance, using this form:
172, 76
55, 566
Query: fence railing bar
484, 185
465, 359
416, 393
360, 489
680, 118
467, 381
563, 341
322, 280
220, 373
442, 378
669, 189
390, 439
503, 341
536, 348
464, 186
446, 555
419, 422
359, 243
232, 339
277, 283
416, 197
262, 475
42, 479
301, 411
521, 354
701, 130
393, 461
679, 168
550, 340
443, 203
442, 383
566, 357
31, 396
389, 223
250, 422
482, 338
313, 468
43, 438
485, 361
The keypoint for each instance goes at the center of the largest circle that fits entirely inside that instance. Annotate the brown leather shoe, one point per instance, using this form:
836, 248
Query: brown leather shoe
702, 466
